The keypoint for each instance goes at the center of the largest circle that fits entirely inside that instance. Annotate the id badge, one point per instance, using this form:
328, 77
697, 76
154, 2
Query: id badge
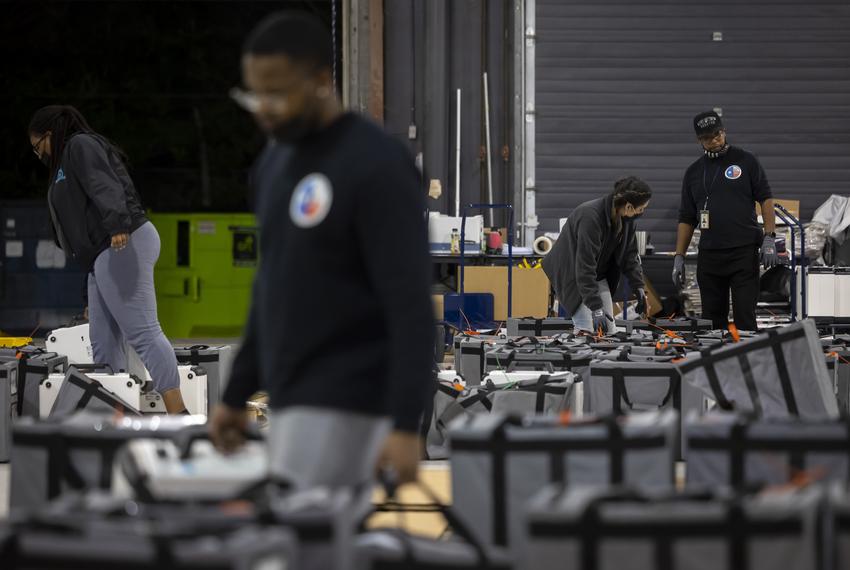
703, 220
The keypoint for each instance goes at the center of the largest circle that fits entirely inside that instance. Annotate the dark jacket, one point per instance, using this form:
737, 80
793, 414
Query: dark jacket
91, 199
577, 260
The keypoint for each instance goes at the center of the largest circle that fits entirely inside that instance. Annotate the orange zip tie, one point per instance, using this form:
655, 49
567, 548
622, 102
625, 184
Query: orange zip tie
807, 477
839, 357
667, 332
733, 330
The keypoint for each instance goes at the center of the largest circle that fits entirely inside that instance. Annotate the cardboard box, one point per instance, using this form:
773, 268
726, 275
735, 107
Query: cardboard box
653, 301
530, 290
792, 206
438, 302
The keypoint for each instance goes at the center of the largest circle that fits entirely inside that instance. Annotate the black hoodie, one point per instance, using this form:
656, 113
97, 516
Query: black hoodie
341, 313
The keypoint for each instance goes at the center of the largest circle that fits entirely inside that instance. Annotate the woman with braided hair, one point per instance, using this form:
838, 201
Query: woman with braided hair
100, 224
595, 247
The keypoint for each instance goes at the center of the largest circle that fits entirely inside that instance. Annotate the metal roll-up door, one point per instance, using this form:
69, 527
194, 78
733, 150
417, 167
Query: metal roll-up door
618, 83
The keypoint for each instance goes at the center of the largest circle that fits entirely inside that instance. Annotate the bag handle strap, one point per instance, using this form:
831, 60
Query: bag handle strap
389, 482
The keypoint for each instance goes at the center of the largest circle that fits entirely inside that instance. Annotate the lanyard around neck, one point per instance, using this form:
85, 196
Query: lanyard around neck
708, 187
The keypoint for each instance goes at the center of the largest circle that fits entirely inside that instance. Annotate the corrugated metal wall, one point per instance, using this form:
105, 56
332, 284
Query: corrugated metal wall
618, 83
431, 49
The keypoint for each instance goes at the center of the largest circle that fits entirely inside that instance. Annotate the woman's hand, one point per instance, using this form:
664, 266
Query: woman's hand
120, 241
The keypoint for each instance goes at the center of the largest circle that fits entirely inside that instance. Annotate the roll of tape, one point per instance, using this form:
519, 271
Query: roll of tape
542, 245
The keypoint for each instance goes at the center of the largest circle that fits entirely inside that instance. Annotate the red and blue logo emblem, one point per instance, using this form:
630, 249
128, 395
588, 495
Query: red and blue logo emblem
311, 201
734, 172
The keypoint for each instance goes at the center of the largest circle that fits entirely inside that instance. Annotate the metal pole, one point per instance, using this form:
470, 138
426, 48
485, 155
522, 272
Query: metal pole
462, 258
517, 157
803, 267
457, 161
510, 248
794, 275
529, 223
510, 233
489, 151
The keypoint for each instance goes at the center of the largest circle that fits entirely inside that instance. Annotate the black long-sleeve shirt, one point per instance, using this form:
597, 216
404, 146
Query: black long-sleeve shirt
341, 314
728, 187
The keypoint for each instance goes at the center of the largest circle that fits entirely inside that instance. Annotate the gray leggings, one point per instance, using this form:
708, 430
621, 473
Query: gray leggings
122, 309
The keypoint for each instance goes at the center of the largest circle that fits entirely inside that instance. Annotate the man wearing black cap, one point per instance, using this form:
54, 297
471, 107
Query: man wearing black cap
719, 192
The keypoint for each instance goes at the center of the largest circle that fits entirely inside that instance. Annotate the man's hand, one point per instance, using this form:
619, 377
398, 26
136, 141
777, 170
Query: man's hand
769, 258
227, 428
120, 241
600, 322
401, 454
641, 306
679, 271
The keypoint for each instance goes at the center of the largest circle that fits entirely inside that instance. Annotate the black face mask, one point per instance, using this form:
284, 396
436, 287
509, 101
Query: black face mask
44, 159
636, 217
719, 154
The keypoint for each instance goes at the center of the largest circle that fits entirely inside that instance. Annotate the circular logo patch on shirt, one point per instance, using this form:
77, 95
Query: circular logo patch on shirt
734, 172
311, 201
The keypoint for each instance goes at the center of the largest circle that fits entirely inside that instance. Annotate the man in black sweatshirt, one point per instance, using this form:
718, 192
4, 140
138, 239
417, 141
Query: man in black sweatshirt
340, 332
719, 193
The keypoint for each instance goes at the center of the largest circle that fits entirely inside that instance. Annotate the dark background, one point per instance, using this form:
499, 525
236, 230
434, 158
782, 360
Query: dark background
151, 76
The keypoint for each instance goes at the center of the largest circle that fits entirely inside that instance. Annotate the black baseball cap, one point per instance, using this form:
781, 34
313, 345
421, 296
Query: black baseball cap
707, 123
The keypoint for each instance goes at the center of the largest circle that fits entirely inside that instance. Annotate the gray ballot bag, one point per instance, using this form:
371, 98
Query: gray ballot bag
79, 452
553, 358
98, 532
838, 525
499, 462
740, 451
681, 324
80, 392
626, 387
531, 326
216, 360
8, 406
777, 374
34, 365
450, 402
532, 393
396, 549
623, 529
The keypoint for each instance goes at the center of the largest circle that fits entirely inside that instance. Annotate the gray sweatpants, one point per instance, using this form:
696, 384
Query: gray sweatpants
122, 309
320, 447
